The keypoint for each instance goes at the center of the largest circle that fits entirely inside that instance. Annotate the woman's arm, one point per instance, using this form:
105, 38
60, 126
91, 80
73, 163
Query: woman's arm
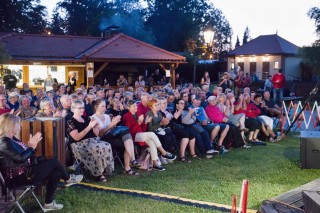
77, 136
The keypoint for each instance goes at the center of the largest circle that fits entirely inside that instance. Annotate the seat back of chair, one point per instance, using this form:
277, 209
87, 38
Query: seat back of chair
53, 137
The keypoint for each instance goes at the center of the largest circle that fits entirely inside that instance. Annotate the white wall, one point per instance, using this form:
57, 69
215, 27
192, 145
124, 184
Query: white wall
292, 64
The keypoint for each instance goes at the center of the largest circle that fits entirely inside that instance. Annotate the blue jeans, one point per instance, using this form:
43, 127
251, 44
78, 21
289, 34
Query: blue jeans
277, 92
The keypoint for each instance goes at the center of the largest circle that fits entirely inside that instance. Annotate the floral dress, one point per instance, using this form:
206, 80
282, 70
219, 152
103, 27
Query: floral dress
94, 153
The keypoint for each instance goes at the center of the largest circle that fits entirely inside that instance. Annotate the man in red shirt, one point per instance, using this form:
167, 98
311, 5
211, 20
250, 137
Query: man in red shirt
143, 105
279, 82
239, 83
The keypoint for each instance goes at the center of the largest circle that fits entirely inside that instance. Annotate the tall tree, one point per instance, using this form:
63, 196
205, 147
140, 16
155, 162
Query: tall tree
87, 17
237, 42
175, 22
311, 55
246, 36
24, 16
57, 24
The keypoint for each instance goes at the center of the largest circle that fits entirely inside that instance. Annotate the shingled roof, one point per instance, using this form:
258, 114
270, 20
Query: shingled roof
120, 48
266, 44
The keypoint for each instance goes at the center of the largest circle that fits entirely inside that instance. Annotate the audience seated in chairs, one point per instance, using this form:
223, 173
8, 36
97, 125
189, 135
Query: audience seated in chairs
122, 142
158, 125
186, 138
96, 155
19, 165
138, 126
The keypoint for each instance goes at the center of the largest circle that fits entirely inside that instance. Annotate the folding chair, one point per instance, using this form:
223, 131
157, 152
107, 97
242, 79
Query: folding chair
116, 156
9, 187
78, 164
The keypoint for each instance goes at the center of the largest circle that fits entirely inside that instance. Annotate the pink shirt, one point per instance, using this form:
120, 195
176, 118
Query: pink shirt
214, 113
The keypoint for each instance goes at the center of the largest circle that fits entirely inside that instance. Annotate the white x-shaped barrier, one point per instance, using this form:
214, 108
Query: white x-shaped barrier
309, 114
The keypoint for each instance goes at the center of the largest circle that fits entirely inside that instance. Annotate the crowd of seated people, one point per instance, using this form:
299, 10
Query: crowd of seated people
165, 120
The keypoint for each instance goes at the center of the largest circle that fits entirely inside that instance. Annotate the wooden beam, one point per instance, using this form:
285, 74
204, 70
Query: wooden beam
100, 69
163, 67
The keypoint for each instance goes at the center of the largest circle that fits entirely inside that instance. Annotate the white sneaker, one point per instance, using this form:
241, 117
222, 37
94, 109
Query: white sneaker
74, 179
163, 160
52, 206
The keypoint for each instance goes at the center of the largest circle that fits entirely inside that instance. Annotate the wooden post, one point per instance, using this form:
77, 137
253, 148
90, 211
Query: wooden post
173, 73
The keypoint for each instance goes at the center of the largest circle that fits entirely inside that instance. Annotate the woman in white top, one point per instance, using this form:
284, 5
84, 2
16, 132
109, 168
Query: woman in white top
140, 82
123, 142
205, 80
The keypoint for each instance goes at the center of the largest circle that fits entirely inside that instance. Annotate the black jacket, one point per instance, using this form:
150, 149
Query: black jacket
12, 153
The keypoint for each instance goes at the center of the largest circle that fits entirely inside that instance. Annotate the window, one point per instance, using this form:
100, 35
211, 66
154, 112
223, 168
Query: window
253, 68
16, 70
38, 73
232, 66
276, 65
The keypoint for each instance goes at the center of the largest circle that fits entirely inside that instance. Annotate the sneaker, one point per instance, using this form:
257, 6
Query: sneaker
169, 161
214, 145
74, 179
159, 168
223, 150
212, 152
52, 206
163, 160
169, 156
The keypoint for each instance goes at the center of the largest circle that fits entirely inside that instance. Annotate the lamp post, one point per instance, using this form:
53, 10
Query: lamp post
208, 39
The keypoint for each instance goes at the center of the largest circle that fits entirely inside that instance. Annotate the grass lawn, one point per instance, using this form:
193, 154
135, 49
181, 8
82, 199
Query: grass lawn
271, 170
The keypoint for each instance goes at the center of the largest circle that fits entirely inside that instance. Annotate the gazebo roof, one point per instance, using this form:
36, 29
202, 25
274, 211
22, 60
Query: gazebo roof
119, 48
266, 44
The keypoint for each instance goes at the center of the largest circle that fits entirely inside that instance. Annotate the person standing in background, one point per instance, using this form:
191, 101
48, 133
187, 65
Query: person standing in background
73, 81
279, 82
48, 83
205, 80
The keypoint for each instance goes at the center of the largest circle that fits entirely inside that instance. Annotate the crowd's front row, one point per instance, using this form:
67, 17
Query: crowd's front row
150, 124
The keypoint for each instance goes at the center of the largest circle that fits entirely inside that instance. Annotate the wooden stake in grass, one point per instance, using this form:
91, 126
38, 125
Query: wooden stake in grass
244, 196
234, 204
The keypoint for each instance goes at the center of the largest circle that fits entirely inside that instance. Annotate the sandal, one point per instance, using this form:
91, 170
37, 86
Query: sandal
185, 160
135, 164
257, 142
196, 157
131, 172
102, 179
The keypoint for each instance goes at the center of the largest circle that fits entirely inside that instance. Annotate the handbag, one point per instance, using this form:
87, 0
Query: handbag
119, 131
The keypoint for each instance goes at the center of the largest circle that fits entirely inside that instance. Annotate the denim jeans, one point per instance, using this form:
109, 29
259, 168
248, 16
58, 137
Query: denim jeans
277, 92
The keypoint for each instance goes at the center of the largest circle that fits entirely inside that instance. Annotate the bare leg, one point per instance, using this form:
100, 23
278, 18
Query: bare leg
129, 147
126, 157
215, 132
192, 144
223, 135
183, 146
256, 133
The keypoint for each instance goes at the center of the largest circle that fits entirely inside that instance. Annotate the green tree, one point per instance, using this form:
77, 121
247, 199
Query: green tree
91, 17
246, 36
311, 55
23, 16
57, 24
237, 42
175, 22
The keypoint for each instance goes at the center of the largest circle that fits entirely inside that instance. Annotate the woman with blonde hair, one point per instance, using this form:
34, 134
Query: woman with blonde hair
17, 162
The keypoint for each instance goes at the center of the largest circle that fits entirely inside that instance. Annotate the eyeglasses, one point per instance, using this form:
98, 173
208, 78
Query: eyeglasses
181, 103
80, 108
185, 96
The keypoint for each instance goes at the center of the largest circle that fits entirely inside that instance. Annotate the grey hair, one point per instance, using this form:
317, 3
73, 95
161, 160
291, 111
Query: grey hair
45, 101
22, 97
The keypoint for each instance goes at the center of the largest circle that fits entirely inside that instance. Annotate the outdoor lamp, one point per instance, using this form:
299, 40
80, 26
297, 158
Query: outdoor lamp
208, 37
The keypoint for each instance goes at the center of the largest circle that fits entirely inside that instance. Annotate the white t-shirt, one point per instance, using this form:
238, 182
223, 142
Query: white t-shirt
102, 124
